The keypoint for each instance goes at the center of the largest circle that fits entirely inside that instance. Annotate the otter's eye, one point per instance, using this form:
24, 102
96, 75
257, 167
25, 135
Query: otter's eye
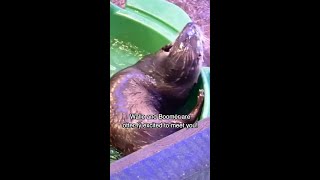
167, 48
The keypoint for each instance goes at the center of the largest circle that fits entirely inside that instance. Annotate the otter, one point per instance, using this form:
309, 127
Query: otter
159, 83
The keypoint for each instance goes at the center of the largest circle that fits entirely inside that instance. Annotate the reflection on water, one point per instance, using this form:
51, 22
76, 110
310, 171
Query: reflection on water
123, 54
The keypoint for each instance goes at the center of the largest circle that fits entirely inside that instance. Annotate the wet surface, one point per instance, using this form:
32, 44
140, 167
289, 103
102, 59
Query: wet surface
199, 12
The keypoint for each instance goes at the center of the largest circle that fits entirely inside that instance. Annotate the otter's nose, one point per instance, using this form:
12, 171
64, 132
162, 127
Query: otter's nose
191, 29
190, 24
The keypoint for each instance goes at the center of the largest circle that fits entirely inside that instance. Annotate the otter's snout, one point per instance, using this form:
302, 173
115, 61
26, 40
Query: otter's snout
189, 42
184, 57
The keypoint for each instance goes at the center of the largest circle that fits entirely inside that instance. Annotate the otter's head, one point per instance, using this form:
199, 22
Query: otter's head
185, 56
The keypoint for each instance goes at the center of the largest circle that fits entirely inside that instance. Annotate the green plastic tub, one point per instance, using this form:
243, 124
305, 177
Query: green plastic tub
144, 27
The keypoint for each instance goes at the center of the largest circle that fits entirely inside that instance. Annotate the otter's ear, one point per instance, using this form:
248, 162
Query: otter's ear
167, 47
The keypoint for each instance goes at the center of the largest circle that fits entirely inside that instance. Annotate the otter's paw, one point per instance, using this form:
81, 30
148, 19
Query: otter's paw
200, 96
201, 93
